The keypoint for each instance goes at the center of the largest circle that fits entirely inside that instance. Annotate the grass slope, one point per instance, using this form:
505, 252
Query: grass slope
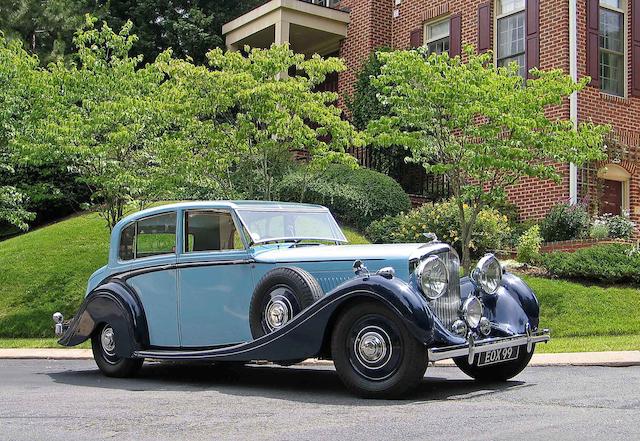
46, 270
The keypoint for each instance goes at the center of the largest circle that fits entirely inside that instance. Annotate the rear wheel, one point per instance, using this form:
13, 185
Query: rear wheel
496, 372
103, 344
374, 354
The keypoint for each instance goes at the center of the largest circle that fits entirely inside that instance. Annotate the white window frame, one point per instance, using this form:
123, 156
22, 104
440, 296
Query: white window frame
426, 31
625, 23
496, 18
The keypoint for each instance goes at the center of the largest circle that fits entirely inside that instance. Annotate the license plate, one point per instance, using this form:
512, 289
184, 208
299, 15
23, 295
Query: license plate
498, 355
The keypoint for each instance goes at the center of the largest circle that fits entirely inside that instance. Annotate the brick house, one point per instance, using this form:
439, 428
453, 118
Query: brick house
599, 38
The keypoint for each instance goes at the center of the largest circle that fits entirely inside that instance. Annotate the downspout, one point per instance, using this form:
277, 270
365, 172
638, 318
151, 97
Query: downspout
573, 98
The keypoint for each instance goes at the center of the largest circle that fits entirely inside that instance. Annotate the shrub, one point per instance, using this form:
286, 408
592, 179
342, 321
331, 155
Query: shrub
356, 197
611, 263
565, 222
491, 232
620, 226
529, 246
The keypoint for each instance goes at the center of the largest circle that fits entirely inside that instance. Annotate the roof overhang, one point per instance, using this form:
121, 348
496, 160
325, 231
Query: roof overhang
308, 28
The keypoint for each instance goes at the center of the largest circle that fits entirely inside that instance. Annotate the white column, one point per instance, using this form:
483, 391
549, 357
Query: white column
573, 99
282, 37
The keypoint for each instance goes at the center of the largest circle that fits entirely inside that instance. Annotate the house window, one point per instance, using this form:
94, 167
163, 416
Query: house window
438, 38
510, 34
612, 47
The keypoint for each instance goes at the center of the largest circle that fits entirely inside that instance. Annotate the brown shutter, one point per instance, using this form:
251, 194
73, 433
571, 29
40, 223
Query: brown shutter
635, 48
593, 43
455, 35
484, 27
533, 35
415, 38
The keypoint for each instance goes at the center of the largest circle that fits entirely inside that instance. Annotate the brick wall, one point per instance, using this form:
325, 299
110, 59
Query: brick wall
370, 28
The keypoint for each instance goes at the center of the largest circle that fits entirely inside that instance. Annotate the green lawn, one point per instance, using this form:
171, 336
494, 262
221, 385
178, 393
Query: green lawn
47, 270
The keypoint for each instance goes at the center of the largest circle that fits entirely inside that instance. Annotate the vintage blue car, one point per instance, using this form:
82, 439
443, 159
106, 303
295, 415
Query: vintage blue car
244, 281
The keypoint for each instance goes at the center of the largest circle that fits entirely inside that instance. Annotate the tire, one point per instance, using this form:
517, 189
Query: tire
391, 364
280, 295
103, 347
496, 372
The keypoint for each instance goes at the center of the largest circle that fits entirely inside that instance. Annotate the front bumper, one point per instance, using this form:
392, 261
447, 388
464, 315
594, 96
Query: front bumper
473, 347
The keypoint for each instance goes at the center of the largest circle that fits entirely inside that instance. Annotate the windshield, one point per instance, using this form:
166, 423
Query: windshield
271, 225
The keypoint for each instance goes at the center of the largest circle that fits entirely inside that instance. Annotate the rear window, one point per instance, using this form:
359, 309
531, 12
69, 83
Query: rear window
152, 236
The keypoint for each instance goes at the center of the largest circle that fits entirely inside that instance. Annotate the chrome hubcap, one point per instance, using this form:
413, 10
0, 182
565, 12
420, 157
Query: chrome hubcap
108, 342
372, 347
278, 312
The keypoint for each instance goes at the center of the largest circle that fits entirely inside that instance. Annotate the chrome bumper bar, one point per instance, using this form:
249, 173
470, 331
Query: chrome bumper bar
474, 347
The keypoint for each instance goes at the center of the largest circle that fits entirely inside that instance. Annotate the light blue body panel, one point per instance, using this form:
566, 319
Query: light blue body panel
214, 300
158, 292
202, 299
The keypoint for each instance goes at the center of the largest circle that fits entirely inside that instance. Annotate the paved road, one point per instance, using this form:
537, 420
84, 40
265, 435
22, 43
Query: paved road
68, 400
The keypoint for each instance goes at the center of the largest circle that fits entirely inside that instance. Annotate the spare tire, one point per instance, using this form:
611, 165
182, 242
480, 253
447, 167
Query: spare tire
280, 295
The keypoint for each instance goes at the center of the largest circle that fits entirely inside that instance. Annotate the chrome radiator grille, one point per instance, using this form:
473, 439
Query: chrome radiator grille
447, 307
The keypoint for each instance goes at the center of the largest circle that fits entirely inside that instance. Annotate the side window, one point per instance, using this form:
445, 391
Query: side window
210, 231
127, 242
156, 235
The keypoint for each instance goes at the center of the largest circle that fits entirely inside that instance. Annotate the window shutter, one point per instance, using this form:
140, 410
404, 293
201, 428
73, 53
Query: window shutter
484, 27
455, 35
533, 35
593, 44
635, 48
415, 38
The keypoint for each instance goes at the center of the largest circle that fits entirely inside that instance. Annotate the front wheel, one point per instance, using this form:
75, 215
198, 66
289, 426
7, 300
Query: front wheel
374, 353
496, 372
103, 345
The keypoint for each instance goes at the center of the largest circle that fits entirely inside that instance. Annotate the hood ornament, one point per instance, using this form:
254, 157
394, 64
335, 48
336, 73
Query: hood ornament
431, 237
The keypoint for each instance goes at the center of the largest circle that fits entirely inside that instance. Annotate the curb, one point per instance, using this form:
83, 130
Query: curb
606, 359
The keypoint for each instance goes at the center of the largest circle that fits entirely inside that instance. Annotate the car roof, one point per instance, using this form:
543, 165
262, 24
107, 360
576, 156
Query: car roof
233, 205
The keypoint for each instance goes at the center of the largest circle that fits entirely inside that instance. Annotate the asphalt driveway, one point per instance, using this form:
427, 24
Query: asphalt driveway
68, 400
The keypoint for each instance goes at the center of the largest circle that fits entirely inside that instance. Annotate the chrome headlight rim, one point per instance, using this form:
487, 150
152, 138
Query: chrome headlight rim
423, 278
486, 266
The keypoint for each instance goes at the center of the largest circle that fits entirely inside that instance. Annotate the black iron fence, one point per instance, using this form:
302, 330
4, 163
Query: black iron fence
412, 177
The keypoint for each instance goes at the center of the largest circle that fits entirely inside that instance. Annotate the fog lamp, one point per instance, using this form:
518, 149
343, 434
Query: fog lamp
459, 328
472, 312
485, 326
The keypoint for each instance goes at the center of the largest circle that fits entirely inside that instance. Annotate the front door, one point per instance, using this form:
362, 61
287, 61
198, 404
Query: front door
611, 202
215, 281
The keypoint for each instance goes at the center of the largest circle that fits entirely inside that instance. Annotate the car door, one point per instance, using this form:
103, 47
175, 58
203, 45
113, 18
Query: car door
215, 280
154, 279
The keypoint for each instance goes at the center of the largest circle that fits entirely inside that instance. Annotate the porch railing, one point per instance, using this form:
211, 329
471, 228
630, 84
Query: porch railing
325, 3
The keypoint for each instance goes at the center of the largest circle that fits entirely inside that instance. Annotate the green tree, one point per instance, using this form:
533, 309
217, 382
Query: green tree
243, 118
479, 125
18, 76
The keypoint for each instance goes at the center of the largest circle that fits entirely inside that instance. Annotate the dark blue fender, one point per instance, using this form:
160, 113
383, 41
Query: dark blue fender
114, 303
514, 306
308, 334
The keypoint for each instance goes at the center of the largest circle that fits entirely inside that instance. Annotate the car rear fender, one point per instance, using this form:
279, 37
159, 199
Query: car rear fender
117, 304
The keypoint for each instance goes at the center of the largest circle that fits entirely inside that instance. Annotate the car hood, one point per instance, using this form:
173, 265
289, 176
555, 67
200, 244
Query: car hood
322, 253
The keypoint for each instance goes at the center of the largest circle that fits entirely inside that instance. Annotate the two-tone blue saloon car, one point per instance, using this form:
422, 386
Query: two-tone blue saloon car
245, 281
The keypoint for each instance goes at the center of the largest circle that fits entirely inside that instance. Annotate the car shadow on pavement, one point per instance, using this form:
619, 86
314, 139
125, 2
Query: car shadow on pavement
299, 383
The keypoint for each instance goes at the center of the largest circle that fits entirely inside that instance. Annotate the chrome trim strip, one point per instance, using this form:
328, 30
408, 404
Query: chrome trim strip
474, 346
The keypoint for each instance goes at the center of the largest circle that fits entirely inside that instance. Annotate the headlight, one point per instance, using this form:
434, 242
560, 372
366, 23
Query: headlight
472, 311
488, 274
433, 277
